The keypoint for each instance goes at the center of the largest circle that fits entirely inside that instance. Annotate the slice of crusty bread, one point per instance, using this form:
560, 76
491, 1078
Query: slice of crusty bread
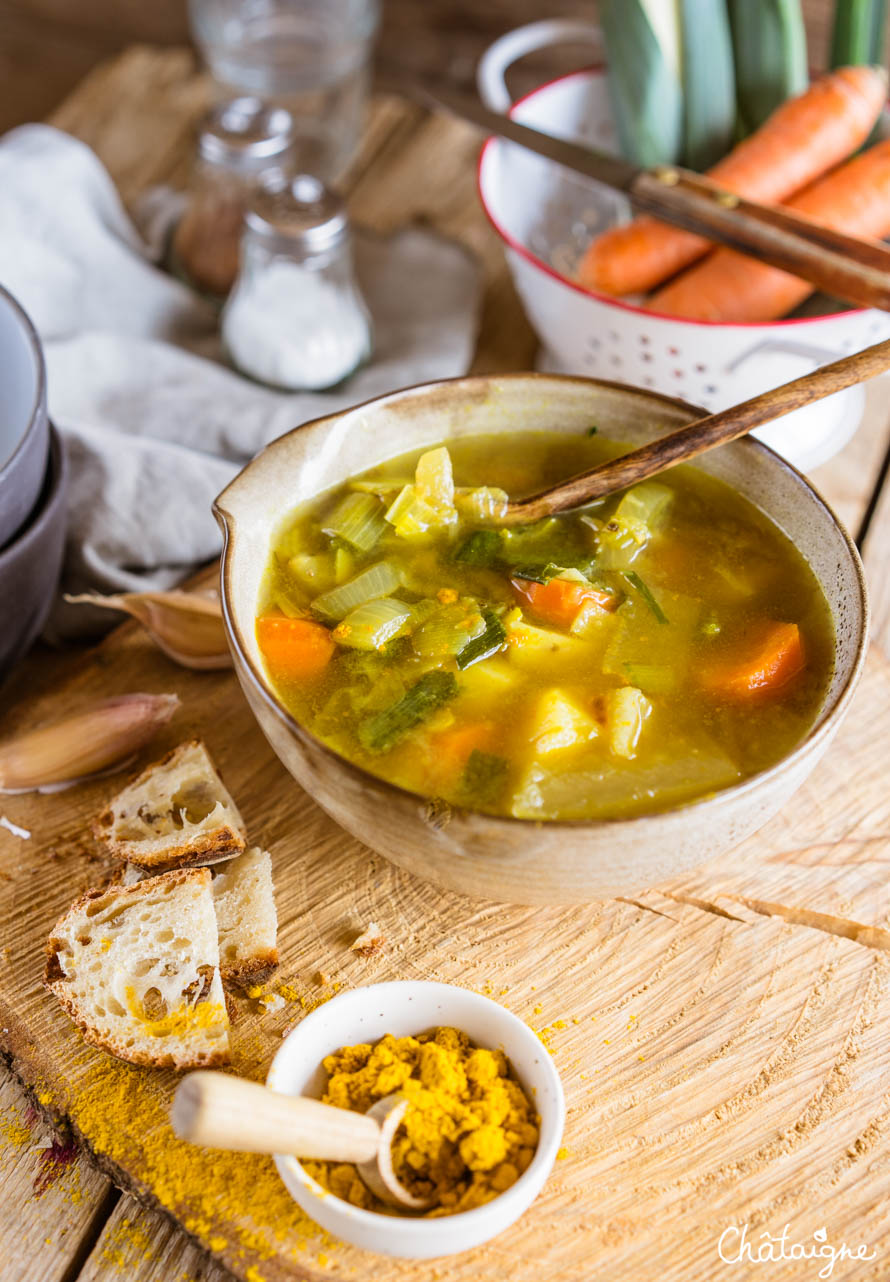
177, 813
137, 969
245, 912
244, 899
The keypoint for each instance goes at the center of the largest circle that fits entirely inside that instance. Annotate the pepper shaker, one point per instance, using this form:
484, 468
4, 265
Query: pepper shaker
238, 142
296, 318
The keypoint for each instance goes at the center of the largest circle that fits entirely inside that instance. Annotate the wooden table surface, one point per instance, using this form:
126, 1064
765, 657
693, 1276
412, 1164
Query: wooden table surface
60, 1218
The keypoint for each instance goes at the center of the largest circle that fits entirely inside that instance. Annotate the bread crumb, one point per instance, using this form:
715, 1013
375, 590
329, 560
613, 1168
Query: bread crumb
369, 942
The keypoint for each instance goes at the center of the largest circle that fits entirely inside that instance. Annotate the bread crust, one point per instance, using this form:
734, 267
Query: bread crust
223, 842
114, 889
253, 970
131, 1054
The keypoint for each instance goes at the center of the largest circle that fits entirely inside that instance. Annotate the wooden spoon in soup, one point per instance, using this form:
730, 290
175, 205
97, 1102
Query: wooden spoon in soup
686, 442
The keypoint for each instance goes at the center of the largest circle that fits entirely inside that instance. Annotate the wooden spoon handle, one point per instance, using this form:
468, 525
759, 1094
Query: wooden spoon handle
694, 438
219, 1111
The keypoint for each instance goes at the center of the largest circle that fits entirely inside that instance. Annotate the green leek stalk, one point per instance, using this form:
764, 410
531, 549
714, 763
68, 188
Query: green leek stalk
770, 46
859, 33
709, 106
385, 729
642, 40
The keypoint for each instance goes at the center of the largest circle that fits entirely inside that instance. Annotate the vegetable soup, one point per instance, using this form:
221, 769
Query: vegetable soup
641, 652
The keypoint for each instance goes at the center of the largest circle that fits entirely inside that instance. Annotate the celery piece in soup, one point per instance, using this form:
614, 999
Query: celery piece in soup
483, 778
449, 630
371, 625
358, 520
377, 581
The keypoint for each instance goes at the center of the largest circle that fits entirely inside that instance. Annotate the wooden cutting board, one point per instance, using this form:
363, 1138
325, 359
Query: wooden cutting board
721, 1039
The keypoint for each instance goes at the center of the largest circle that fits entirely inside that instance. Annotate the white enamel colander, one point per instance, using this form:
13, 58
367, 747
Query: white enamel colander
546, 215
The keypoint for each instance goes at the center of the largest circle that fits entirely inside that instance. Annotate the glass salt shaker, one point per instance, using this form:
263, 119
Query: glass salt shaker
296, 318
238, 143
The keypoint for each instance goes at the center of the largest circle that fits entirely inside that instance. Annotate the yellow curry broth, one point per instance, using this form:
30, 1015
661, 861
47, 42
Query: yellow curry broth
539, 729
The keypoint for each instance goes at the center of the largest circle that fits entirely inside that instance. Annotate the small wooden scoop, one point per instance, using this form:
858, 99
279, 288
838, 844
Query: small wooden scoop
694, 438
219, 1111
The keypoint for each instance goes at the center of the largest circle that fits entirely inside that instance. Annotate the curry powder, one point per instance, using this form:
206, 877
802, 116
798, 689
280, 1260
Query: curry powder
469, 1131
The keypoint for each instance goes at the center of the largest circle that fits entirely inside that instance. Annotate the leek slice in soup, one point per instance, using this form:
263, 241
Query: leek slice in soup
635, 655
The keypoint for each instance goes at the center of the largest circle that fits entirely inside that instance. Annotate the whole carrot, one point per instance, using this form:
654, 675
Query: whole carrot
729, 286
801, 140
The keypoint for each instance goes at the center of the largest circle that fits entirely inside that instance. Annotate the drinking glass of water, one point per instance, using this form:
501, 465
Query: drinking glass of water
310, 56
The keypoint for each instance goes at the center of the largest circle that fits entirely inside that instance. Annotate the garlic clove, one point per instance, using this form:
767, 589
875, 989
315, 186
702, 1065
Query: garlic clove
186, 626
98, 737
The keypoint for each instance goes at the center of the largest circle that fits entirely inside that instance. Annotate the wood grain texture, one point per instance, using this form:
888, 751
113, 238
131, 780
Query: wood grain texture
847, 479
138, 1245
51, 1195
877, 564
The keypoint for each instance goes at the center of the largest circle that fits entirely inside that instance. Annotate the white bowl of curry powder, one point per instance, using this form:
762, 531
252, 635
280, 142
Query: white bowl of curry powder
511, 1087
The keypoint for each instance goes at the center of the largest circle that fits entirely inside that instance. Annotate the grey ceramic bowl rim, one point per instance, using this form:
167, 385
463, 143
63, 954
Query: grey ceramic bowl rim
821, 731
40, 392
45, 509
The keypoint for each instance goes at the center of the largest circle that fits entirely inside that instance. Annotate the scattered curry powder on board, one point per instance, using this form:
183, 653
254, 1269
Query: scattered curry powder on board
13, 1129
234, 1202
127, 1243
469, 1131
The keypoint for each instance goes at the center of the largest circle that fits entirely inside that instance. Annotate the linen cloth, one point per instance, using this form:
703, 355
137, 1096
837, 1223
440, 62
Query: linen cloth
155, 422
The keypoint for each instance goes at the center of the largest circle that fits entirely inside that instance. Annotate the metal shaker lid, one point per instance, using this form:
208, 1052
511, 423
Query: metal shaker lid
299, 214
245, 134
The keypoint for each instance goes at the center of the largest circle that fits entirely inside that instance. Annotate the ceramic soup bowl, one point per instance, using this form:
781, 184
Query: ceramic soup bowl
482, 855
